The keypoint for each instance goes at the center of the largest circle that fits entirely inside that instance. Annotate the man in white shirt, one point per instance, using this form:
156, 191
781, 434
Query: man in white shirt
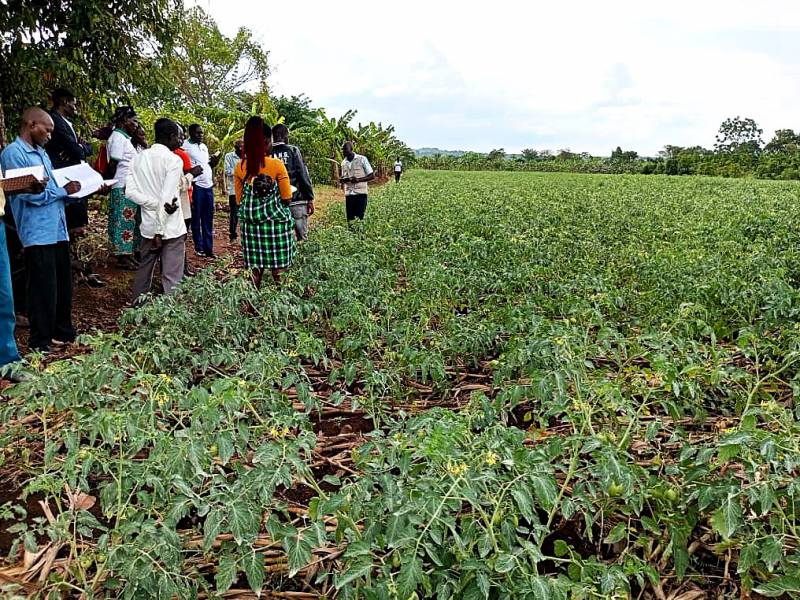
398, 169
153, 184
356, 172
202, 191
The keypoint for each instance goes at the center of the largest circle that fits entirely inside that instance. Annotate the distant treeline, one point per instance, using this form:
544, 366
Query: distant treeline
738, 152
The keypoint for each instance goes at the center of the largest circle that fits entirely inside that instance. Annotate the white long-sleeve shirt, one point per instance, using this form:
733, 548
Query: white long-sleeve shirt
152, 183
183, 195
198, 153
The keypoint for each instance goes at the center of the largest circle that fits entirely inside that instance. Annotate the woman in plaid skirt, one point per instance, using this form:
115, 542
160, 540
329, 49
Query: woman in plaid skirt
263, 191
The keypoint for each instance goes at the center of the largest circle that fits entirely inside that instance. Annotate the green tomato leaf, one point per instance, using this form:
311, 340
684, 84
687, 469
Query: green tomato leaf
778, 587
298, 551
727, 518
505, 562
410, 576
617, 533
226, 572
253, 563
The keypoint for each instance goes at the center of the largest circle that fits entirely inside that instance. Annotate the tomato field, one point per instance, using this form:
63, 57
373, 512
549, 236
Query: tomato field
501, 386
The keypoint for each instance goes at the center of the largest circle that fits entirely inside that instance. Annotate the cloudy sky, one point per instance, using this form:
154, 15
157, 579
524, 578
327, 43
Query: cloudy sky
516, 74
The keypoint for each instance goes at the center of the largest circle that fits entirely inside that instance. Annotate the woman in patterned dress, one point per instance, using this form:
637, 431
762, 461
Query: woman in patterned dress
123, 232
264, 192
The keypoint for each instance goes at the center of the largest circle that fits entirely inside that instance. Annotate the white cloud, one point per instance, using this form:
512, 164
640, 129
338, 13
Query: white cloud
584, 75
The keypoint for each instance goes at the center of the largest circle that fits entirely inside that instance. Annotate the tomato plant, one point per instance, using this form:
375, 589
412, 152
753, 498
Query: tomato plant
501, 385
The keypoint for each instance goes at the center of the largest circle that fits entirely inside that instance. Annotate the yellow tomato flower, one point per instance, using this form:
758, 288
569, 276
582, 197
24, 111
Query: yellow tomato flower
456, 469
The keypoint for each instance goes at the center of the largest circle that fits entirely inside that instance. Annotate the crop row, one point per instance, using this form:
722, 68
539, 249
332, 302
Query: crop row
546, 386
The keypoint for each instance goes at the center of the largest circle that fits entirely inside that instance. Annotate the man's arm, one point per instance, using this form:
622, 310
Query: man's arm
14, 158
213, 159
169, 191
303, 179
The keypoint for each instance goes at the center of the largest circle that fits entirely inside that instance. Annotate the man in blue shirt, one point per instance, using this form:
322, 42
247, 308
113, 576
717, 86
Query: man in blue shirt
42, 227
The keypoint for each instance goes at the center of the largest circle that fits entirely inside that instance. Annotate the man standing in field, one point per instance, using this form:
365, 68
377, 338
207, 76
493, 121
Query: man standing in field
153, 184
302, 204
398, 169
202, 191
231, 160
66, 149
8, 344
185, 196
356, 172
42, 227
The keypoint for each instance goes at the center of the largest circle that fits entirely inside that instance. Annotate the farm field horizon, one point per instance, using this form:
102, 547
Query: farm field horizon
501, 385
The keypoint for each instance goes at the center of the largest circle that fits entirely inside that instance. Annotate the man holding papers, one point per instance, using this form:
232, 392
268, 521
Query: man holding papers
153, 184
42, 227
8, 344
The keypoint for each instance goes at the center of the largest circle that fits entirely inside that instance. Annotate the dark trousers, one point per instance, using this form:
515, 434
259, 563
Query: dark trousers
355, 205
397, 176
234, 206
203, 219
49, 294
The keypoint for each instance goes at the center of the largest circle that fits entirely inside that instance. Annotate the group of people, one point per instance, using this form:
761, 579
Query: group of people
159, 193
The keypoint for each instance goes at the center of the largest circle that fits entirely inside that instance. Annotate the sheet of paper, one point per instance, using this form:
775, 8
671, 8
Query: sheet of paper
90, 180
37, 172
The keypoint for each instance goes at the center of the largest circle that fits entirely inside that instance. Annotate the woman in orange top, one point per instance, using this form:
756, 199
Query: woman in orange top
263, 192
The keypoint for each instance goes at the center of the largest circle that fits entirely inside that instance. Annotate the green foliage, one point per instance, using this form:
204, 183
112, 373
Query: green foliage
738, 153
739, 135
93, 47
785, 141
167, 61
321, 138
634, 429
204, 68
296, 111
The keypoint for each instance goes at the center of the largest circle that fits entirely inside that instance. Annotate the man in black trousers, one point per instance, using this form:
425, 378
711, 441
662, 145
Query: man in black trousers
302, 204
65, 149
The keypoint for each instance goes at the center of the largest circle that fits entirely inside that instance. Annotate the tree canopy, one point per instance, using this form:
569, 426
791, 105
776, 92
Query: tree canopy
205, 67
97, 48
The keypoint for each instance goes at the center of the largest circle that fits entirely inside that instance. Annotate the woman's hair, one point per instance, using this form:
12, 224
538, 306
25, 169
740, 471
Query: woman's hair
256, 145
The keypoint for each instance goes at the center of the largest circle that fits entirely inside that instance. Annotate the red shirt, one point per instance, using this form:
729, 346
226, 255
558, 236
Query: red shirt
187, 164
